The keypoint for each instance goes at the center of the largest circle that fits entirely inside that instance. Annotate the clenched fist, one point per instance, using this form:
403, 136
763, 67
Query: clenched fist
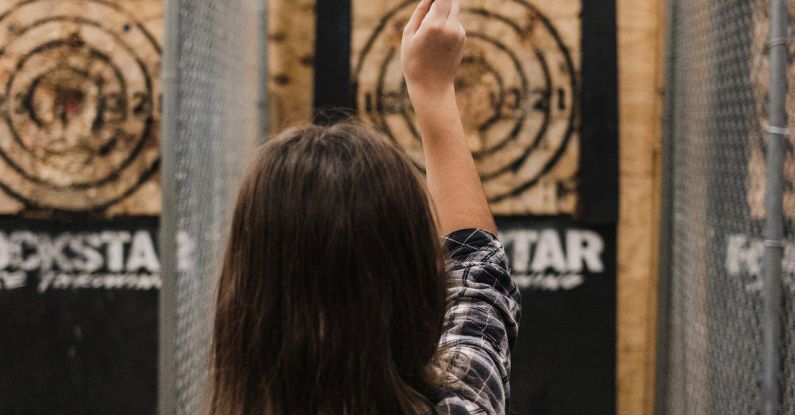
432, 48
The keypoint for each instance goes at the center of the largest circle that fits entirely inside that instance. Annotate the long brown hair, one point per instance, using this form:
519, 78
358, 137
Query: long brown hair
331, 295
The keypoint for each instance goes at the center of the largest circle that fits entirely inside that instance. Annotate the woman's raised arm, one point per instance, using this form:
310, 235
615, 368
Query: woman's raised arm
432, 49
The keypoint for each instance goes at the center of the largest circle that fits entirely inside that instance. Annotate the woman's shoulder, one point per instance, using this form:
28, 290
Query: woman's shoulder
448, 402
472, 246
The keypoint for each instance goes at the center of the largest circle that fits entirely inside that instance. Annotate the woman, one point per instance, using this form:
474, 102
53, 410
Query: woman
335, 296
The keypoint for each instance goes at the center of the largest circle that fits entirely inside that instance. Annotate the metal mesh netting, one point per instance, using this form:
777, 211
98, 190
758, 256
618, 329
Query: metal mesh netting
214, 115
719, 78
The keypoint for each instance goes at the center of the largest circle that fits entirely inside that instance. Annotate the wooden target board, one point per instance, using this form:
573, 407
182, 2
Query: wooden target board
517, 90
80, 106
761, 77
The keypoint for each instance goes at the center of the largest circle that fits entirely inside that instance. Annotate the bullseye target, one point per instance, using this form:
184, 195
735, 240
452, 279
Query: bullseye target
79, 103
516, 88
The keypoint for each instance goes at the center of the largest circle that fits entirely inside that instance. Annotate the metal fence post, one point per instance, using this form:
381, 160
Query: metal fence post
167, 325
774, 207
666, 219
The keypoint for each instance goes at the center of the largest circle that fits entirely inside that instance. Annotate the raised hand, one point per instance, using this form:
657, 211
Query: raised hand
433, 44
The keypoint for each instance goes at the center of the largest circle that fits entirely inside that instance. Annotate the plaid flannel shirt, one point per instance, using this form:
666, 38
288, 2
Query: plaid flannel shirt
481, 325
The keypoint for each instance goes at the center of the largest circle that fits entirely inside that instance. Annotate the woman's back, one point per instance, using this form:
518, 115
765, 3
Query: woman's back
336, 295
331, 294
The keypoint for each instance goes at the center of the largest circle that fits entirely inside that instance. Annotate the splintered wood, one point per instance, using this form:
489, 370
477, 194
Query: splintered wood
518, 91
80, 104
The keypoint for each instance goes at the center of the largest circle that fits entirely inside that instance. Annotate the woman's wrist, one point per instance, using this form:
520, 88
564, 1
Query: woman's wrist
430, 95
437, 114
434, 105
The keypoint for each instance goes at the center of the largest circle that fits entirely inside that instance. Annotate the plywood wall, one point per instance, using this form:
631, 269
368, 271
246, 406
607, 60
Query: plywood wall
80, 106
641, 70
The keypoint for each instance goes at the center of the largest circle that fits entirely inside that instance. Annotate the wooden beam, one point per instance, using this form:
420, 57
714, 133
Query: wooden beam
641, 69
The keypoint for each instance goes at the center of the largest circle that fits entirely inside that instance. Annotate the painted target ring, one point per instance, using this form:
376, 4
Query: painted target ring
79, 98
516, 89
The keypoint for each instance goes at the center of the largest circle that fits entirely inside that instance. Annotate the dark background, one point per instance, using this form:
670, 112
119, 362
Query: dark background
78, 351
564, 361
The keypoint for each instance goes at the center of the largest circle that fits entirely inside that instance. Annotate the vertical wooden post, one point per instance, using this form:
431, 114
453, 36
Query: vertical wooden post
291, 55
641, 70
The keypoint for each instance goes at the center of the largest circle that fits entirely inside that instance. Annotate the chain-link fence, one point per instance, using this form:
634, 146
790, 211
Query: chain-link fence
719, 77
211, 76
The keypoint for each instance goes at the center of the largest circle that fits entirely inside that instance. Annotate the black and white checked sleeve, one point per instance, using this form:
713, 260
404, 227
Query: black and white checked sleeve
481, 325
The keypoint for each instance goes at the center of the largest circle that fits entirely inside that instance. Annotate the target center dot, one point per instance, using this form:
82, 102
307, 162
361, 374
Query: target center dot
63, 103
